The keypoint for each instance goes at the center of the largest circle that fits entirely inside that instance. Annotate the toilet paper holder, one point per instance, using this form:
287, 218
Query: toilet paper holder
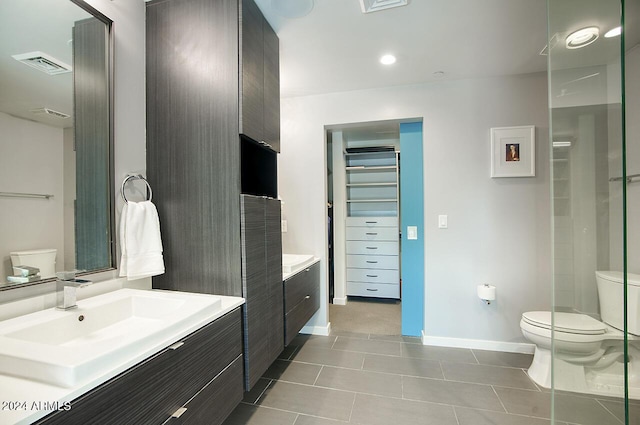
487, 293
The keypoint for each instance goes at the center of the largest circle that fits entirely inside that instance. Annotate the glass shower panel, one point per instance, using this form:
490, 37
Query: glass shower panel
586, 123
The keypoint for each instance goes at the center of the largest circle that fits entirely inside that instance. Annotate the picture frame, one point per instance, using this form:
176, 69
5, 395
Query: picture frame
513, 151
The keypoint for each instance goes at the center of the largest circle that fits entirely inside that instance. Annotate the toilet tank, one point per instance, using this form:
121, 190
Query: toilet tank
611, 295
44, 259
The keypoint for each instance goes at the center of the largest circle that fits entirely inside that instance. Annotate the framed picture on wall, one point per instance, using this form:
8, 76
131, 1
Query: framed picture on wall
513, 151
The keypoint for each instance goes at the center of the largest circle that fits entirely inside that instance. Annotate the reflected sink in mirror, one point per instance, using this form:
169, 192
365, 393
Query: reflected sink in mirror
65, 348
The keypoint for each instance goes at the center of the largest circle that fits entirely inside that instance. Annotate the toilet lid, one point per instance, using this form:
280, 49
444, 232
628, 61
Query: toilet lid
566, 322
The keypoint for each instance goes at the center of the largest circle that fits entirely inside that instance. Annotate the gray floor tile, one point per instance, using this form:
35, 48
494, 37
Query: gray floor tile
468, 416
572, 409
325, 356
312, 341
499, 358
492, 375
257, 390
403, 366
454, 393
375, 410
524, 402
246, 414
349, 334
397, 338
360, 381
617, 409
431, 352
312, 420
301, 373
367, 346
309, 400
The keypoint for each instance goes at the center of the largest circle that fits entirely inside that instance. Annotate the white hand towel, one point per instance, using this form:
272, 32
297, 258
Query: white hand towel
140, 241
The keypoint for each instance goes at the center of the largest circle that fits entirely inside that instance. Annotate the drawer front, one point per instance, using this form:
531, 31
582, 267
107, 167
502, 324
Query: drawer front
373, 234
301, 285
372, 248
389, 262
299, 315
373, 276
372, 222
379, 290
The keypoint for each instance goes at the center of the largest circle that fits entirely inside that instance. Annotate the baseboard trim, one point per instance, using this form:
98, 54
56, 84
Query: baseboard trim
340, 301
317, 330
479, 344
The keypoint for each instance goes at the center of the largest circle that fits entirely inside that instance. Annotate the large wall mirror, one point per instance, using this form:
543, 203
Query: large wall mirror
56, 140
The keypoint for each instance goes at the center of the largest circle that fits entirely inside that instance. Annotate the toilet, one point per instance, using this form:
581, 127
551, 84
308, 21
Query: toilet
44, 259
587, 353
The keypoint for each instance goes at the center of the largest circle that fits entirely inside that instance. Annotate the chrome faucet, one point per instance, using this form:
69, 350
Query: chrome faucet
66, 288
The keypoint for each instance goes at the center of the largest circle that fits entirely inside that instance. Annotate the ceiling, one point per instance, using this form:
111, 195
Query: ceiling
336, 47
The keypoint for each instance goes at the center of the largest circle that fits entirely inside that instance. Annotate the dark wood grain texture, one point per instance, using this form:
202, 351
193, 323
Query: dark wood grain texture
271, 100
153, 390
301, 300
193, 153
273, 241
252, 71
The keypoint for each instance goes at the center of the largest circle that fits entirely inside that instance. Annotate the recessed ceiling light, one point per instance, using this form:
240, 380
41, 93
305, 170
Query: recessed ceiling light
613, 32
582, 37
388, 60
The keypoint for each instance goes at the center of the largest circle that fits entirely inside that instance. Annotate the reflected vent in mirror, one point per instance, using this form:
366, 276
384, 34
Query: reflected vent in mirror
50, 112
43, 62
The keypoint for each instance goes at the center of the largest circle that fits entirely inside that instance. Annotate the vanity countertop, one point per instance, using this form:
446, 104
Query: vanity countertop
24, 400
295, 263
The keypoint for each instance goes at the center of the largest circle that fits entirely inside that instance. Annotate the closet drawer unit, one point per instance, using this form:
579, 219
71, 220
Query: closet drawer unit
389, 262
373, 234
372, 222
372, 248
373, 276
379, 290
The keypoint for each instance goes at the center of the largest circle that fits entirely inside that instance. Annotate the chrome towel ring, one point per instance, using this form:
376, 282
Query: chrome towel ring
135, 177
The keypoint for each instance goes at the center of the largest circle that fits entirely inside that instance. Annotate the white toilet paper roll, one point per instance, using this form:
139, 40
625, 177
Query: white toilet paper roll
487, 292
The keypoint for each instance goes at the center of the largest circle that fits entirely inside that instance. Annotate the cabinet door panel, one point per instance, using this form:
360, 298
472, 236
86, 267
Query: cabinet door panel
271, 87
251, 71
275, 314
304, 288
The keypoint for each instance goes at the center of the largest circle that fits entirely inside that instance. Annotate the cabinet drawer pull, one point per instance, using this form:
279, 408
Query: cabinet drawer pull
372, 290
372, 275
372, 247
176, 345
371, 222
307, 297
372, 262
179, 412
306, 270
371, 233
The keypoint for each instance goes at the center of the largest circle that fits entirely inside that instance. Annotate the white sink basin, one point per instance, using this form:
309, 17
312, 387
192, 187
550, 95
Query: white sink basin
65, 348
293, 262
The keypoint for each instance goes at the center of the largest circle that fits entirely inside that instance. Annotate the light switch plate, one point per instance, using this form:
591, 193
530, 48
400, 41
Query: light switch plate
284, 226
442, 222
412, 232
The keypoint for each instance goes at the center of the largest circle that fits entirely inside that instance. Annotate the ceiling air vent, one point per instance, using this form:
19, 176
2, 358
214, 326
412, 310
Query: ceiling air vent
50, 112
43, 62
369, 6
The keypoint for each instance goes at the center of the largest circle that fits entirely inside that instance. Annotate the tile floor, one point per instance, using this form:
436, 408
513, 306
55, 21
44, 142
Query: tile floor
391, 380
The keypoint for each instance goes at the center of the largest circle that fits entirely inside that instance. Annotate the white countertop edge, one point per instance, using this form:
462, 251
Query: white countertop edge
286, 276
17, 390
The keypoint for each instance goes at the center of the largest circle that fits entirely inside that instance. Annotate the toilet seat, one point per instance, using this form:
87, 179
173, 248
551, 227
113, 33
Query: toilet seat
572, 323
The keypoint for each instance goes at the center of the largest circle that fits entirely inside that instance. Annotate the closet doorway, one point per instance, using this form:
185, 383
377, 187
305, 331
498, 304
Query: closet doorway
364, 215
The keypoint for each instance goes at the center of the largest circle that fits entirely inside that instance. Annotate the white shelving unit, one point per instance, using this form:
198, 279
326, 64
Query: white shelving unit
372, 236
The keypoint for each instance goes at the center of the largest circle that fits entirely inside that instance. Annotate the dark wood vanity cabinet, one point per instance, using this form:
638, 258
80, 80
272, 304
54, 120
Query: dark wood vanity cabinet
301, 300
259, 77
203, 375
262, 284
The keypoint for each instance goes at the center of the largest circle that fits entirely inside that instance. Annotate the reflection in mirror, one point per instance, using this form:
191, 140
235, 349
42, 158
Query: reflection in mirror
56, 190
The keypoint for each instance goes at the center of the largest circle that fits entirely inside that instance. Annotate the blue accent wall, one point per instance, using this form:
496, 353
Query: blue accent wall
412, 214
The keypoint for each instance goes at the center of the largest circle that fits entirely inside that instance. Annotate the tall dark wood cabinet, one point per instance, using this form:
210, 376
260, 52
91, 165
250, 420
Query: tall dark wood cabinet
202, 95
193, 151
261, 284
260, 77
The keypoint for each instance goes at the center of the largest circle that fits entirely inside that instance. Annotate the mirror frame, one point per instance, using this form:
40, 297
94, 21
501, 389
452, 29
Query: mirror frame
111, 189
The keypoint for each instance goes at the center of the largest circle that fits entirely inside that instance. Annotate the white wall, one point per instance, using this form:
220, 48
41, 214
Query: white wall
31, 161
129, 119
499, 229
